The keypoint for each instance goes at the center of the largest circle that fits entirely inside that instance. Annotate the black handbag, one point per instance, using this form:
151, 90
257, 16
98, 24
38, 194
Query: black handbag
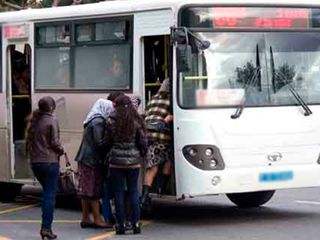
68, 179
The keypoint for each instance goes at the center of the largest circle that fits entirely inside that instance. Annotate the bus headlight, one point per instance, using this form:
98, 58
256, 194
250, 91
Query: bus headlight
213, 163
192, 151
204, 157
208, 152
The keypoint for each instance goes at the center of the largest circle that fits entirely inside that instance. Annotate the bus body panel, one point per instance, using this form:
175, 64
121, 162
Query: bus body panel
4, 159
246, 154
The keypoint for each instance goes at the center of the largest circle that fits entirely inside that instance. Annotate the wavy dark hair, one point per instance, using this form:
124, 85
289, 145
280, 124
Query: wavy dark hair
127, 117
45, 105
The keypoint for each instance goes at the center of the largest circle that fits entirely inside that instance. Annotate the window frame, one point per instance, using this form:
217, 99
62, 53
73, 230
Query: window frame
73, 44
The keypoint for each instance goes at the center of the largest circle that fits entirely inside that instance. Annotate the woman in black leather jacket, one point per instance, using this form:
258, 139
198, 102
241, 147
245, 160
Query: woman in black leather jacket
126, 139
92, 168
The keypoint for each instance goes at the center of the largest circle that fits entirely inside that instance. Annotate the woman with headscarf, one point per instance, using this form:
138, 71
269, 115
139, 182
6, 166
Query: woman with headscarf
126, 139
44, 148
91, 165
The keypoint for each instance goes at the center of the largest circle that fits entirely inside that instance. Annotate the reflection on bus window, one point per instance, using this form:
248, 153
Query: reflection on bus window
256, 67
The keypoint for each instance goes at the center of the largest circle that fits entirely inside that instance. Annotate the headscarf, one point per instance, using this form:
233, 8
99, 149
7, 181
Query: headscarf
101, 108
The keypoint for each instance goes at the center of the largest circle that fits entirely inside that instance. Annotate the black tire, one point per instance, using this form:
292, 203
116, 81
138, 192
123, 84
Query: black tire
250, 199
9, 191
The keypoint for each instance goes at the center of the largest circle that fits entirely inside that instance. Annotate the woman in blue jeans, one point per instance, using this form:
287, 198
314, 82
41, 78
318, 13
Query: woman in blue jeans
44, 148
127, 144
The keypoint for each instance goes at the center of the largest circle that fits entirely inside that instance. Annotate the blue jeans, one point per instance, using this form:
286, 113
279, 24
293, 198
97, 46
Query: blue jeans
47, 174
123, 178
106, 207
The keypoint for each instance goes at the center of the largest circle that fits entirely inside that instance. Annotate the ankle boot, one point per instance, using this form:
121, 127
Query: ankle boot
164, 179
145, 195
137, 228
47, 234
120, 229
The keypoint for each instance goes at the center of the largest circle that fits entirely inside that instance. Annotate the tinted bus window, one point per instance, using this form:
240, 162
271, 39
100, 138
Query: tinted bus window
92, 55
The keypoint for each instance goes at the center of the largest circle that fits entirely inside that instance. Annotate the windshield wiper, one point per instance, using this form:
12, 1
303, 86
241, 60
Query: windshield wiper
255, 76
251, 82
284, 79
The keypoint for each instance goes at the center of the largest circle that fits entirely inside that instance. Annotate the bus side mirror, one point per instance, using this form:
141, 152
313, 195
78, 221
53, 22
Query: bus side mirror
184, 57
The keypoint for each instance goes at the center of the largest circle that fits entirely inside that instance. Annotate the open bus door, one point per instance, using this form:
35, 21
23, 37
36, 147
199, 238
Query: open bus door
16, 106
19, 77
156, 69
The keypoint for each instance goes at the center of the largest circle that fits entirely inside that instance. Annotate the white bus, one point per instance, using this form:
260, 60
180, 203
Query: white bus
245, 85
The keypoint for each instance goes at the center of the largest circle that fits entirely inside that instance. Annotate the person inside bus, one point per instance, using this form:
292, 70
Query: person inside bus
158, 119
127, 144
116, 74
44, 148
91, 165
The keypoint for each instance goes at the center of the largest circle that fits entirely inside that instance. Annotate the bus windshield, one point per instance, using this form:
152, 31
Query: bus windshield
251, 66
221, 74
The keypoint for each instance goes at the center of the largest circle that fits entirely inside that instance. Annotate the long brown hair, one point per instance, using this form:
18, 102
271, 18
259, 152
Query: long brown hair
127, 117
45, 105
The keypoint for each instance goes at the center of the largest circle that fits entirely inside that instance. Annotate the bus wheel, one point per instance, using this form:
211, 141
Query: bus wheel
9, 191
250, 199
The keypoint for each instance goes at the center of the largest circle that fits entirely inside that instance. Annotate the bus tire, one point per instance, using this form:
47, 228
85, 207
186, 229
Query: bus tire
250, 199
9, 191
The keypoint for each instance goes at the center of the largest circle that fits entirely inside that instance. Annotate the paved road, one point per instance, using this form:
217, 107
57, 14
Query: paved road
290, 215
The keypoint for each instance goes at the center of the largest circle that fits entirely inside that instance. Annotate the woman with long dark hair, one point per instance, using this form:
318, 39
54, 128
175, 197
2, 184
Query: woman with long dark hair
44, 148
126, 138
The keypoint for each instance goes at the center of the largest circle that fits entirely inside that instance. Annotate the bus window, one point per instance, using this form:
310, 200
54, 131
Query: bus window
93, 56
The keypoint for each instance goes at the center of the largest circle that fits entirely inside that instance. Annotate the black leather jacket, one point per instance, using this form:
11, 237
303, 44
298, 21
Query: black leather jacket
91, 151
46, 146
130, 152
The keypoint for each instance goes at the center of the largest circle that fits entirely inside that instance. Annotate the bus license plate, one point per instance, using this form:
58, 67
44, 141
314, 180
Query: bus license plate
276, 176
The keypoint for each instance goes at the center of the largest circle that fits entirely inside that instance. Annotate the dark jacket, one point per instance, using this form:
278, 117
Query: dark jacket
46, 146
91, 152
128, 152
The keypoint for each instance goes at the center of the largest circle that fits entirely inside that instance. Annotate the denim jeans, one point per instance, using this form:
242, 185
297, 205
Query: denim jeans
106, 206
126, 179
47, 174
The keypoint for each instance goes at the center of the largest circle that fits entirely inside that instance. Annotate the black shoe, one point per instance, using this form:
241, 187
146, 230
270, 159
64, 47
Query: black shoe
86, 224
47, 234
129, 225
120, 229
137, 228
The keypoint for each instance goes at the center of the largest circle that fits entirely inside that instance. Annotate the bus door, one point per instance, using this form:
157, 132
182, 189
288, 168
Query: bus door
17, 75
156, 69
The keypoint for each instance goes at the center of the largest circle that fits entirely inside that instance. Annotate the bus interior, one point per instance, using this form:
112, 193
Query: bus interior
20, 97
156, 69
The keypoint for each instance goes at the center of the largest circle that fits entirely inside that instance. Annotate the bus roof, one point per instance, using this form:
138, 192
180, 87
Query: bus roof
128, 6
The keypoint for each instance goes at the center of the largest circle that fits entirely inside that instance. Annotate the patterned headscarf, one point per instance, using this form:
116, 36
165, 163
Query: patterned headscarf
101, 108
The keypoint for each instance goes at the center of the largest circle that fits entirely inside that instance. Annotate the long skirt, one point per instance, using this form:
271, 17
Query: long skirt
91, 181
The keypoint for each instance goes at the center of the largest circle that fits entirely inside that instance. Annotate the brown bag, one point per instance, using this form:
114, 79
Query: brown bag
68, 179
